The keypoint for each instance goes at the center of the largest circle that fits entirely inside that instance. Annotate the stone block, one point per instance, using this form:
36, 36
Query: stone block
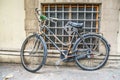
31, 4
71, 1
30, 14
41, 1
111, 38
30, 32
10, 59
109, 14
109, 26
113, 4
31, 24
36, 3
87, 1
47, 1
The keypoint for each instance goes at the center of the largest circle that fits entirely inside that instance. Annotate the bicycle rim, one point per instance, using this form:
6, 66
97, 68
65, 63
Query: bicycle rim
98, 55
33, 53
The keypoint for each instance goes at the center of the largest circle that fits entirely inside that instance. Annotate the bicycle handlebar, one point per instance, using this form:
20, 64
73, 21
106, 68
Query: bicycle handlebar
43, 17
37, 11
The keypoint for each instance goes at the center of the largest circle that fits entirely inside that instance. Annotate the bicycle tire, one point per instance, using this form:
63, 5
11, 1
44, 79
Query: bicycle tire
101, 44
33, 53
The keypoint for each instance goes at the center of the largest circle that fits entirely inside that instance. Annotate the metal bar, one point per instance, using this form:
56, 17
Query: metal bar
57, 23
49, 24
80, 19
74, 11
97, 21
92, 18
84, 17
77, 12
62, 25
65, 44
70, 17
53, 43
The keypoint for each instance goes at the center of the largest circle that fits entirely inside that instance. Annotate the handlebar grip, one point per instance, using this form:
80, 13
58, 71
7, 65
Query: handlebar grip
43, 17
53, 19
36, 10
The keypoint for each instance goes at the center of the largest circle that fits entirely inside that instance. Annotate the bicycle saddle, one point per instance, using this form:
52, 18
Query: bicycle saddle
76, 25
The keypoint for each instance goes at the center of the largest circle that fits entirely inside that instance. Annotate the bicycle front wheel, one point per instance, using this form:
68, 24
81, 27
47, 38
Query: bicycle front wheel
33, 53
96, 49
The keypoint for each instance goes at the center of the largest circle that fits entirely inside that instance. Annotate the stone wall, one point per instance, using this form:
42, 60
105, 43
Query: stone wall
31, 24
110, 22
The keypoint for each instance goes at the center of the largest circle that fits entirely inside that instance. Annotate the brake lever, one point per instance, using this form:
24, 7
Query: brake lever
53, 19
37, 11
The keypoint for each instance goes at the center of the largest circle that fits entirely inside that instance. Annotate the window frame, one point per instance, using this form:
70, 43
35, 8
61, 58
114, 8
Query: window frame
91, 23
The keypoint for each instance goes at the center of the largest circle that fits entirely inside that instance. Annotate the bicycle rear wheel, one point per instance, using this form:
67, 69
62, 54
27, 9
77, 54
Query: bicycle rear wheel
96, 49
33, 53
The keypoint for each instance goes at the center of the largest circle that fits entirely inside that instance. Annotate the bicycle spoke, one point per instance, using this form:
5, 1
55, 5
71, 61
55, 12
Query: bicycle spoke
96, 50
32, 53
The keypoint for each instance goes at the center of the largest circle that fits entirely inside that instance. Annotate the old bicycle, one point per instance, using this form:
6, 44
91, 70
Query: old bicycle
90, 51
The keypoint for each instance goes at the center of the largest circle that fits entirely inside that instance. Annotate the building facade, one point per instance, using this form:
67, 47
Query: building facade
101, 16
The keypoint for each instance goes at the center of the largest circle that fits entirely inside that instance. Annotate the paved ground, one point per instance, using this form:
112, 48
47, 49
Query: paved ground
16, 72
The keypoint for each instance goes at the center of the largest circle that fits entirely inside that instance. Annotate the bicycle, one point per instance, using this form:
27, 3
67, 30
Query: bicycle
90, 51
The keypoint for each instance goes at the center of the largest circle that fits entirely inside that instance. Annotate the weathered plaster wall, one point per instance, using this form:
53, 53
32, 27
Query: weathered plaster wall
12, 15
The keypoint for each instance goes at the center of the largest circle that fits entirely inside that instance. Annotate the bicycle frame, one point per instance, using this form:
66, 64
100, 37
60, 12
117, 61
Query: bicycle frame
42, 33
68, 44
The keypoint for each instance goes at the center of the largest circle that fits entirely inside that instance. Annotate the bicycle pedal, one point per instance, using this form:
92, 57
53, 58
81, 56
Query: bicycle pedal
63, 56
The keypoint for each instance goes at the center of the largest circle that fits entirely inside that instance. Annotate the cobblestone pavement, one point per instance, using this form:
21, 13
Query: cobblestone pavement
17, 72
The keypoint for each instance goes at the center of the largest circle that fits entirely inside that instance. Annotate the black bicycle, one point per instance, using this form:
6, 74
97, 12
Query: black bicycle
90, 51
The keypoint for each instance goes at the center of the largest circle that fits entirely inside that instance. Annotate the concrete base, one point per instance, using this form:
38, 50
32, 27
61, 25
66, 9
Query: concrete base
12, 56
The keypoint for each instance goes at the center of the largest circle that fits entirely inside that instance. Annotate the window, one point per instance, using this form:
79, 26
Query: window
86, 13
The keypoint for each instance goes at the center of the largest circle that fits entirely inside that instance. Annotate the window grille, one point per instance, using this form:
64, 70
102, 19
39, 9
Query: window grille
85, 13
